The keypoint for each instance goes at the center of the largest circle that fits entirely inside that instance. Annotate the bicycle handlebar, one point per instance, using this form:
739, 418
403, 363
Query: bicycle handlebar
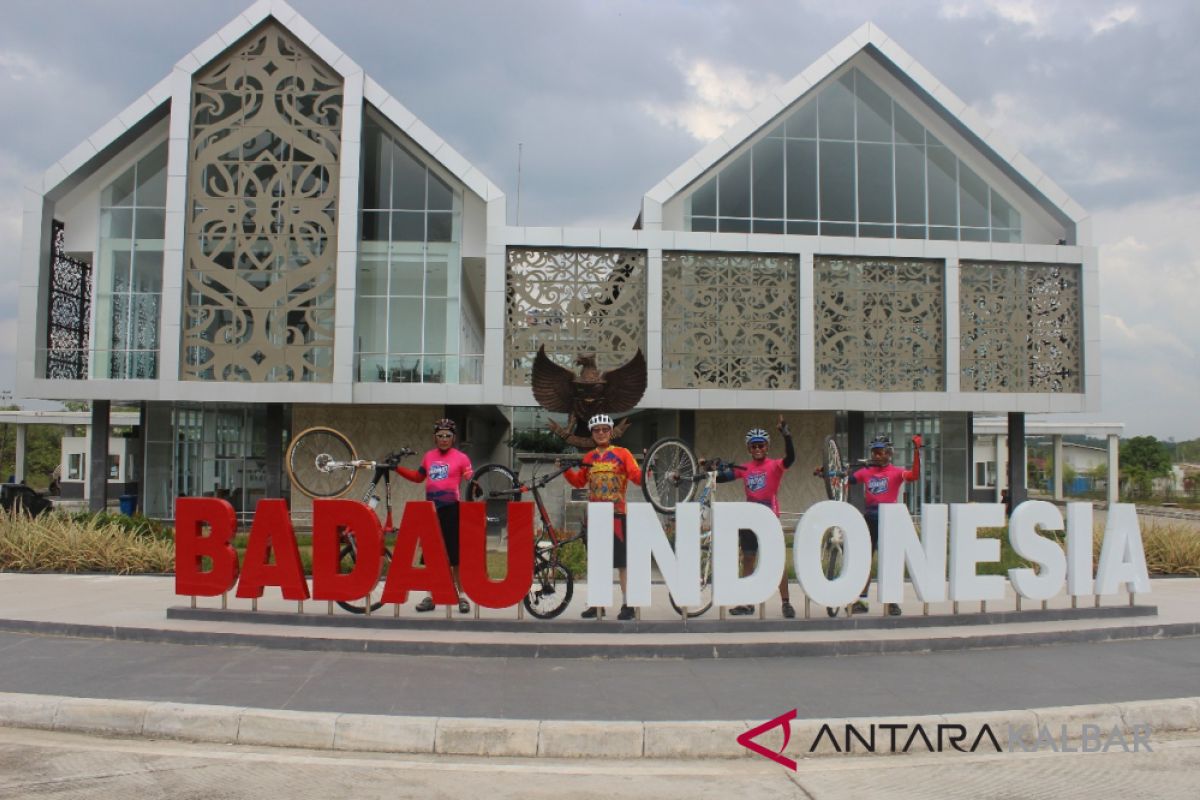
391, 461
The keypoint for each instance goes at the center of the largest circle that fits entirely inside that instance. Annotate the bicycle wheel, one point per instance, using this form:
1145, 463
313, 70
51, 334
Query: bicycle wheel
309, 460
706, 587
551, 590
831, 559
496, 485
668, 473
349, 557
836, 482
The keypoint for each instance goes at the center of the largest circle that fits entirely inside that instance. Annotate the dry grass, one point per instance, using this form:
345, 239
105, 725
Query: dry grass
1172, 548
59, 543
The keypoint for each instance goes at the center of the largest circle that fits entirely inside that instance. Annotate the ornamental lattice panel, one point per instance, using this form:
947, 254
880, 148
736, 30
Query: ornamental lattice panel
879, 324
730, 321
262, 225
573, 301
1020, 327
68, 311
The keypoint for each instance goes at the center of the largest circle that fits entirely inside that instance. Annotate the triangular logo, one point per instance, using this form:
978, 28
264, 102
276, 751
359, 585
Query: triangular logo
785, 720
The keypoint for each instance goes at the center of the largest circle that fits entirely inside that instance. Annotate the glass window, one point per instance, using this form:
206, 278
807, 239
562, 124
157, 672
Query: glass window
943, 186
410, 271
835, 109
852, 154
801, 180
875, 183
768, 179
441, 196
408, 180
734, 192
910, 183
152, 179
129, 263
704, 200
837, 181
972, 198
1003, 214
802, 124
874, 110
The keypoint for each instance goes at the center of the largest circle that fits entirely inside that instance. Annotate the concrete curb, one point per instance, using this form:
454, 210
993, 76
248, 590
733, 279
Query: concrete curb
559, 738
616, 645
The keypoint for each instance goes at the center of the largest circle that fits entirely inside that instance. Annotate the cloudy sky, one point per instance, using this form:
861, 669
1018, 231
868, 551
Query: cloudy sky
609, 97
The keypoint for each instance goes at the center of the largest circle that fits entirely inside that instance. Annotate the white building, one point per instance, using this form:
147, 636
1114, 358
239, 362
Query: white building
267, 240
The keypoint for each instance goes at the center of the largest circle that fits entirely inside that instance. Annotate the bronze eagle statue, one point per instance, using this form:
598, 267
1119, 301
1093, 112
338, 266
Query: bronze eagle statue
560, 390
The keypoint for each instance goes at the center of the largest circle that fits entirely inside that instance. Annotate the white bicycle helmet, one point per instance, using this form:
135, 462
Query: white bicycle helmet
600, 419
757, 435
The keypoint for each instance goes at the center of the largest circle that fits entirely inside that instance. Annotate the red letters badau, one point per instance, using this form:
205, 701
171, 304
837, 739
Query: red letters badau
273, 559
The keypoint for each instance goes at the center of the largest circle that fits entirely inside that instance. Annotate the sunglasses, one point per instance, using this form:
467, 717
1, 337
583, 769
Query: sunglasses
758, 445
443, 436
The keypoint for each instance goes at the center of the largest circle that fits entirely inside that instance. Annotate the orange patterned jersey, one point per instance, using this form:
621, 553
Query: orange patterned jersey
606, 472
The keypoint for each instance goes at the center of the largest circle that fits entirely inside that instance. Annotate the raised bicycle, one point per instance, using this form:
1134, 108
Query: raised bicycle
553, 582
671, 474
322, 463
835, 472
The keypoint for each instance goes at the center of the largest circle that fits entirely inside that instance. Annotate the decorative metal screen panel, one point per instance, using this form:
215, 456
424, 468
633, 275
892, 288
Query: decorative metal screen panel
879, 324
730, 321
68, 311
573, 301
1020, 327
262, 226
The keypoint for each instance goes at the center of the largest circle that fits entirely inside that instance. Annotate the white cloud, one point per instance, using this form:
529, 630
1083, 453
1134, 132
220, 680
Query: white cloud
1114, 18
19, 67
1032, 16
1060, 137
718, 96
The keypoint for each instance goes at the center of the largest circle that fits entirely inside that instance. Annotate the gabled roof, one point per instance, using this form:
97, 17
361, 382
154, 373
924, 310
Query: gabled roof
132, 119
965, 120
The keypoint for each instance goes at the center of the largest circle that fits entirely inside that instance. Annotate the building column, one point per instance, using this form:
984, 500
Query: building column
19, 469
97, 477
1001, 467
1114, 469
1058, 466
856, 446
274, 454
1018, 491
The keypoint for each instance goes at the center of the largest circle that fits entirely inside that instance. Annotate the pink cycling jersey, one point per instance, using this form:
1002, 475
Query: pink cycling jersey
762, 479
883, 484
443, 474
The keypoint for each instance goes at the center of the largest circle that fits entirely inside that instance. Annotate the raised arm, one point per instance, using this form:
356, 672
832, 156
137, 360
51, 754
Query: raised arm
914, 472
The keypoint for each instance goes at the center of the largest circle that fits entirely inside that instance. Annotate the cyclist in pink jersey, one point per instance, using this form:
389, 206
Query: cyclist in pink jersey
882, 481
443, 469
762, 477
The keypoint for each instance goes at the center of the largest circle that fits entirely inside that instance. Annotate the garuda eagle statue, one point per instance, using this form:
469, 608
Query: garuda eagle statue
560, 390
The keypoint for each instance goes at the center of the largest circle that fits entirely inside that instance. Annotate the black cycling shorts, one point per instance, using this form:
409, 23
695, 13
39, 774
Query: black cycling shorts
747, 540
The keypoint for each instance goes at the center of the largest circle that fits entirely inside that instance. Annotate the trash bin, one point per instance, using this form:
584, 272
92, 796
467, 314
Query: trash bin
128, 504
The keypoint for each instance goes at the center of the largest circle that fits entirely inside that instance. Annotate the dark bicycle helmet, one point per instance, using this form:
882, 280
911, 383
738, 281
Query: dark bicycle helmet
445, 424
882, 442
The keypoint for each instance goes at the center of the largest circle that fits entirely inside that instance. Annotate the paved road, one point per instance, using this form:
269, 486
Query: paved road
625, 689
58, 765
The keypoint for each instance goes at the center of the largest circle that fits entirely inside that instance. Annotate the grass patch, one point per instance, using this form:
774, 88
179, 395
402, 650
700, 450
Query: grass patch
82, 543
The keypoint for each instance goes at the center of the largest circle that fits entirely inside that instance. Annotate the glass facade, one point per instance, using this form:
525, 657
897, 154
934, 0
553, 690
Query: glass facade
129, 270
945, 453
415, 322
851, 161
204, 451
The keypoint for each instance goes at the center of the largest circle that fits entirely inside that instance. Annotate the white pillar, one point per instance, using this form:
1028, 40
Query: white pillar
19, 471
1058, 466
1001, 466
1113, 469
